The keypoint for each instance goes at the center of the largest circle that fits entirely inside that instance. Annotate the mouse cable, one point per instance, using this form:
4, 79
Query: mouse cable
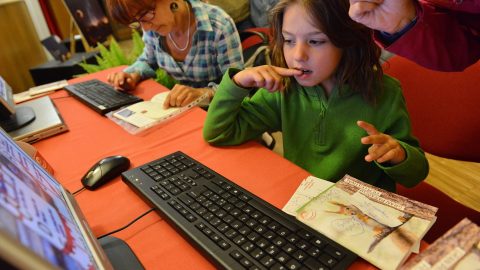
124, 227
78, 191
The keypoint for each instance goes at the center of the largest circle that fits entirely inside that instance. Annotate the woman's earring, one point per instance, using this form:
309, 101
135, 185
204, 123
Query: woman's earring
174, 6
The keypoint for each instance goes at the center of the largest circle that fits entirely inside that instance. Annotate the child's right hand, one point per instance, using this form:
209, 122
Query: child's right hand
123, 81
268, 77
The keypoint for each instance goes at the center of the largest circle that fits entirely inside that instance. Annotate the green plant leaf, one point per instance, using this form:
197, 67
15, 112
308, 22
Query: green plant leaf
114, 56
164, 79
117, 56
90, 68
137, 46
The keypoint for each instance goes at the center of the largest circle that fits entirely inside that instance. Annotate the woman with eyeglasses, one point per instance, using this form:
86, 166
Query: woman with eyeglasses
192, 41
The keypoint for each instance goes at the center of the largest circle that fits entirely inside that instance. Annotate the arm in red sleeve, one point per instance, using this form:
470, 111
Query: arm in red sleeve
441, 39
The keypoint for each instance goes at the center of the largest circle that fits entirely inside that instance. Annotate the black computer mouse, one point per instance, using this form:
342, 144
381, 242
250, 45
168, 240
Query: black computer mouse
105, 170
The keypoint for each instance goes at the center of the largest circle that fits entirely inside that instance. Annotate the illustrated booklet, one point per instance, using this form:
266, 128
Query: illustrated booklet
308, 189
382, 227
458, 249
143, 115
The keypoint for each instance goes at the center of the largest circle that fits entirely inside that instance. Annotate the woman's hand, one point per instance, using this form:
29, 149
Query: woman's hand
268, 77
384, 147
123, 81
389, 16
181, 95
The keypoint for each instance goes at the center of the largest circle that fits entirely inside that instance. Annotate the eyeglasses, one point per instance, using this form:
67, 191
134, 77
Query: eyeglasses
145, 17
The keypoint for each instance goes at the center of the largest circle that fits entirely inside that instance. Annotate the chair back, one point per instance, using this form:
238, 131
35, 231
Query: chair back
444, 107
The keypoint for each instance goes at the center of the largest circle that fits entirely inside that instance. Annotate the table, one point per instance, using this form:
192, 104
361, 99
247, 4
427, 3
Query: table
155, 242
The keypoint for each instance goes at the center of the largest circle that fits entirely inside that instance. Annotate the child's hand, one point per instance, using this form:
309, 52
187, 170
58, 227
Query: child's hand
384, 148
268, 77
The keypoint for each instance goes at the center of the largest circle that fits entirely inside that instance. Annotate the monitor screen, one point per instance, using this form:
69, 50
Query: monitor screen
7, 105
36, 216
11, 117
91, 20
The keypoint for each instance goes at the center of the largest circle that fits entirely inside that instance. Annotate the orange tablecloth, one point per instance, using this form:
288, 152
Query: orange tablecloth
157, 245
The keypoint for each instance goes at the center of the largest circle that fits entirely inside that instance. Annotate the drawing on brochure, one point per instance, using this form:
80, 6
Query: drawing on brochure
380, 226
359, 222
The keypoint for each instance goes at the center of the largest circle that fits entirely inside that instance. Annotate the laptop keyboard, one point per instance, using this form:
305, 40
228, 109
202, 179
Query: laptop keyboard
233, 227
101, 96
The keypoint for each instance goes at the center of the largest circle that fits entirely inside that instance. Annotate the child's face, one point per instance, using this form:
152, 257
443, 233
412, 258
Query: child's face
308, 49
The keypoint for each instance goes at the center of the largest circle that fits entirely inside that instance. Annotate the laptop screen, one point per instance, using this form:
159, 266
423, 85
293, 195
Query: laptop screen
7, 105
35, 214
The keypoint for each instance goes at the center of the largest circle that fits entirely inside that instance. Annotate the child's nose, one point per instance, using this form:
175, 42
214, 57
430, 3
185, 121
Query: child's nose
300, 52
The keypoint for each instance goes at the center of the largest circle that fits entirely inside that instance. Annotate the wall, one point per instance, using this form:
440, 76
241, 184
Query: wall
63, 20
21, 28
62, 17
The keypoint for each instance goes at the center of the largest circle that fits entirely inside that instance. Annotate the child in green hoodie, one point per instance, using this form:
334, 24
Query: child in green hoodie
326, 91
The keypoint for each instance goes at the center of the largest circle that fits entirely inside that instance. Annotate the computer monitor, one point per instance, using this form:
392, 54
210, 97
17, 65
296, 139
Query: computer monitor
90, 19
41, 226
12, 118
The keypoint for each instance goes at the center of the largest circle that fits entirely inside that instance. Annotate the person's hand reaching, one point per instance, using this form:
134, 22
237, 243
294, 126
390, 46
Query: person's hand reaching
123, 81
389, 16
181, 95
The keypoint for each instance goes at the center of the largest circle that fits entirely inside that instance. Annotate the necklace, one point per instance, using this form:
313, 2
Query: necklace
188, 34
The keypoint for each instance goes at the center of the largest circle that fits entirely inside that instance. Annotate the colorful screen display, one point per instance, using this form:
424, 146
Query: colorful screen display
7, 104
33, 211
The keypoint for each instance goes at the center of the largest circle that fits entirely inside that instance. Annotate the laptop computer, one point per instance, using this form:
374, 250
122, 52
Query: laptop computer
47, 122
41, 225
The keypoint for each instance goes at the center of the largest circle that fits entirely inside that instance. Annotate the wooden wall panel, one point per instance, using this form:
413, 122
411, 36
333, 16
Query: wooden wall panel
62, 17
20, 48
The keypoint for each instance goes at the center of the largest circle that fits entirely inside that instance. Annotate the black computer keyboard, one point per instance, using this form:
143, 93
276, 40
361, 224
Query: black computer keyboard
233, 227
101, 96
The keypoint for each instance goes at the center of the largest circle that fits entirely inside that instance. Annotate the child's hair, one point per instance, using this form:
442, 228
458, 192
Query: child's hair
359, 66
123, 10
